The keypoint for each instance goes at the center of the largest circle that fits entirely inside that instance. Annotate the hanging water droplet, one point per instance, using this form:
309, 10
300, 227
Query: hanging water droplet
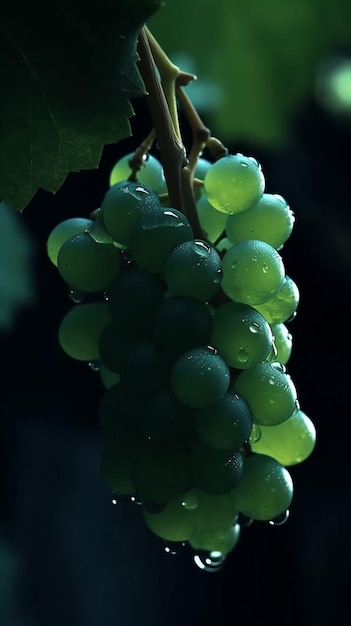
244, 521
255, 434
173, 547
242, 356
134, 499
119, 499
105, 296
255, 328
210, 561
76, 296
280, 519
94, 365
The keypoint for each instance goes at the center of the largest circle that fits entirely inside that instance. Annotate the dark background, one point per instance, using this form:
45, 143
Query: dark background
80, 561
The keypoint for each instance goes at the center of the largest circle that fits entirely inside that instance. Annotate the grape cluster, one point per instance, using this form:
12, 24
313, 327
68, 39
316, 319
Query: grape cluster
190, 338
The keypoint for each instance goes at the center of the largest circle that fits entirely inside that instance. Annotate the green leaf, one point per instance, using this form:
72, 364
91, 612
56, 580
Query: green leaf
258, 58
67, 71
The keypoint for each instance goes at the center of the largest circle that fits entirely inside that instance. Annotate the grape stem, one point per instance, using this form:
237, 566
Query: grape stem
138, 158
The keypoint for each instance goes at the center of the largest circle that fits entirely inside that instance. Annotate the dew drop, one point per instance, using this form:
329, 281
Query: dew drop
254, 328
280, 519
265, 268
134, 499
173, 547
94, 365
244, 164
279, 367
210, 561
242, 356
271, 381
76, 296
218, 276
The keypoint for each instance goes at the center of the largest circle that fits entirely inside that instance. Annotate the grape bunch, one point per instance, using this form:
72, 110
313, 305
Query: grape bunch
190, 338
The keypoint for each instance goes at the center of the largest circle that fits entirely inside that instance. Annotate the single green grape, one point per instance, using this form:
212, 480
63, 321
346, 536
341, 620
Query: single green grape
62, 232
265, 490
122, 206
270, 220
86, 265
212, 221
193, 269
80, 330
150, 174
253, 272
223, 540
241, 335
226, 424
281, 307
200, 377
234, 183
289, 443
269, 392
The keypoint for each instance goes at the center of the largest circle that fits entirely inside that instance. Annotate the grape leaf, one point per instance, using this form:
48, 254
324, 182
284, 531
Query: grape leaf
67, 70
259, 59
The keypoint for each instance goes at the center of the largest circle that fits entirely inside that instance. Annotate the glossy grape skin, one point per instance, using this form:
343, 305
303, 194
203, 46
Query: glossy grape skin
174, 523
193, 269
270, 220
234, 183
265, 490
199, 377
80, 330
269, 392
62, 232
154, 236
212, 221
242, 337
283, 305
283, 342
151, 174
86, 265
253, 272
289, 443
222, 540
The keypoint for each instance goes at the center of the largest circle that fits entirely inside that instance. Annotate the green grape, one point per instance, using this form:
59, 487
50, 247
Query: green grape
269, 392
174, 523
223, 540
165, 419
212, 221
226, 424
181, 324
114, 342
289, 443
116, 464
80, 330
215, 472
200, 377
241, 337
122, 206
283, 305
234, 183
108, 378
283, 342
145, 367
155, 235
201, 168
253, 272
265, 490
193, 269
214, 511
150, 174
133, 297
120, 415
63, 231
270, 220
160, 473
86, 265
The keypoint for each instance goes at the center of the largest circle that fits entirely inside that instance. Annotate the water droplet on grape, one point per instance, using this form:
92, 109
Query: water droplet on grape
94, 365
218, 276
190, 501
173, 547
278, 366
134, 499
210, 561
271, 381
244, 164
76, 296
242, 356
265, 268
254, 328
280, 519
